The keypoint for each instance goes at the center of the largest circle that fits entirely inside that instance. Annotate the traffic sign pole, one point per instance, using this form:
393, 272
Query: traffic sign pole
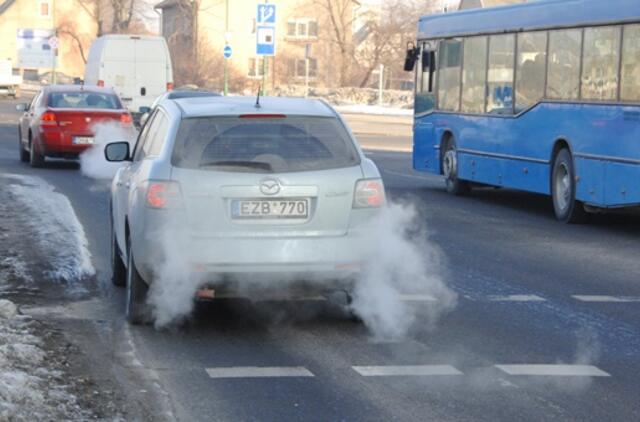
265, 38
226, 66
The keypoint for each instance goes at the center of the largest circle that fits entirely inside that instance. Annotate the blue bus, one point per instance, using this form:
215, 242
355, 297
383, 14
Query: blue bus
542, 96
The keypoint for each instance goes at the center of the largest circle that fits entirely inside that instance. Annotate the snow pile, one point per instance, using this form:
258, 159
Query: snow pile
373, 109
29, 390
58, 232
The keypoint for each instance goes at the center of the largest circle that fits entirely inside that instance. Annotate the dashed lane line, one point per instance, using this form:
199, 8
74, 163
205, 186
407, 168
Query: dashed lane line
606, 298
406, 370
516, 298
259, 372
558, 370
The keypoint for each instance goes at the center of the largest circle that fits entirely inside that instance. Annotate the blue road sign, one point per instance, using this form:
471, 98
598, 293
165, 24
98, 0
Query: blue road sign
266, 14
265, 41
227, 51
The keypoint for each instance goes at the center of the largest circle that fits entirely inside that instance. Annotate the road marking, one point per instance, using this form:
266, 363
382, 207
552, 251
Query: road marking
516, 298
259, 372
406, 370
605, 298
554, 370
416, 298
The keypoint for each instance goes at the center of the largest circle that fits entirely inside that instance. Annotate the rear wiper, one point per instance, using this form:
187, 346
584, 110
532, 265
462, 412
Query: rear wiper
250, 164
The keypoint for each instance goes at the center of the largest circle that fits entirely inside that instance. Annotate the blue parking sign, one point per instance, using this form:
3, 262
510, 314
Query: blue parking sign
266, 14
265, 41
227, 51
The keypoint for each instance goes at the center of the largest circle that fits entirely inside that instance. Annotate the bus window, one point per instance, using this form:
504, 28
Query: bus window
563, 73
500, 74
531, 66
474, 74
449, 75
630, 71
600, 63
426, 68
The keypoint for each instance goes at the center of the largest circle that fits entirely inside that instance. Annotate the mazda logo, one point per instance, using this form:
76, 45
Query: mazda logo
270, 186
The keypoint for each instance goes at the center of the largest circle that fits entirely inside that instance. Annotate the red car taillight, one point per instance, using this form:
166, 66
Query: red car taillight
369, 194
126, 118
48, 118
163, 195
100, 83
169, 86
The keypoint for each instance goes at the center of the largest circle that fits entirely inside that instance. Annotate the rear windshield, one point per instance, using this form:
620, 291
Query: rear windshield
267, 145
83, 100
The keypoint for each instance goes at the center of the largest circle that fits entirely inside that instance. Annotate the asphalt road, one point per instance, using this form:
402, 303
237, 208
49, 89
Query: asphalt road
522, 281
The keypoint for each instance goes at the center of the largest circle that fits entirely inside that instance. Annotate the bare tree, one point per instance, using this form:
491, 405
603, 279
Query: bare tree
67, 28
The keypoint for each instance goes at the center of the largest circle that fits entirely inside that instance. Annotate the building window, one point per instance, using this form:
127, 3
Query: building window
302, 28
297, 68
563, 73
255, 67
45, 9
531, 67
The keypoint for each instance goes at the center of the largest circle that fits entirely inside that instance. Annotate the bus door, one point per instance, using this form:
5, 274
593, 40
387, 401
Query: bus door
425, 156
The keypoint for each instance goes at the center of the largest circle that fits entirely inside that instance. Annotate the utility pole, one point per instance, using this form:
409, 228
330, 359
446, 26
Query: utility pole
54, 52
226, 42
307, 53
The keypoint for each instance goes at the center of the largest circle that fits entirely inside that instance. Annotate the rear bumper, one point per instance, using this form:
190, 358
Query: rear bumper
55, 142
325, 261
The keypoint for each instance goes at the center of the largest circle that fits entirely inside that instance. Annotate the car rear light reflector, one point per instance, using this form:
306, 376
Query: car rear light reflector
262, 116
48, 119
100, 83
169, 86
369, 194
126, 118
162, 195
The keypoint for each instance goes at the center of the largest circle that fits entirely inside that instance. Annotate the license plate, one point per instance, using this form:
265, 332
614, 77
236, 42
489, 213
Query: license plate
270, 208
82, 140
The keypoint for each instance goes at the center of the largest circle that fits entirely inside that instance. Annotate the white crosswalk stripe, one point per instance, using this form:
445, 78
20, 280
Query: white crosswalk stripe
606, 298
516, 298
406, 370
558, 370
258, 372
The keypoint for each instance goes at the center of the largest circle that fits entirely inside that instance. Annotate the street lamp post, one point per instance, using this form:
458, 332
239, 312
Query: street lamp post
226, 42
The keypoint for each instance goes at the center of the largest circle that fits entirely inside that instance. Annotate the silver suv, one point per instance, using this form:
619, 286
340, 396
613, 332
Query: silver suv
278, 190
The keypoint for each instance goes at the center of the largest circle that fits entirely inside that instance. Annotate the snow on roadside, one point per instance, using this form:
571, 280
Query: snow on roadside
371, 109
57, 230
28, 389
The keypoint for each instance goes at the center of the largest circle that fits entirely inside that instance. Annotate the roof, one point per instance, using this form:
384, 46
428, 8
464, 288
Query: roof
167, 4
78, 88
234, 106
532, 15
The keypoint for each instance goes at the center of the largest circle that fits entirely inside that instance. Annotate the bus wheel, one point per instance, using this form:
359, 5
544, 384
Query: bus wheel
450, 170
563, 190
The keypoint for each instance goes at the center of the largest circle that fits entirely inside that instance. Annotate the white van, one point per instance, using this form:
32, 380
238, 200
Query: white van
138, 67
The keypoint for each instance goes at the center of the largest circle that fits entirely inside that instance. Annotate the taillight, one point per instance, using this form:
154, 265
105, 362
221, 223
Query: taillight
169, 86
126, 118
369, 193
162, 195
100, 83
48, 118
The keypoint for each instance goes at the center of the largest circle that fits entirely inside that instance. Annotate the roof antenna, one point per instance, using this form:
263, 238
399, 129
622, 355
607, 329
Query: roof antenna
258, 98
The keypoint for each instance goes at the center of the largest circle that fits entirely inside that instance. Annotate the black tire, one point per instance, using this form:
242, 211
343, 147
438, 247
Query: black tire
36, 159
24, 154
136, 309
449, 165
563, 190
118, 270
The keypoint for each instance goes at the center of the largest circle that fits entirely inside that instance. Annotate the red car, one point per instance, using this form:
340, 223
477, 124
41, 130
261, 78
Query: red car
60, 121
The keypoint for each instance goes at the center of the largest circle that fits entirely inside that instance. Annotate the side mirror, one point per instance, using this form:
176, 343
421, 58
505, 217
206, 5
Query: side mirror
117, 151
410, 59
22, 107
144, 109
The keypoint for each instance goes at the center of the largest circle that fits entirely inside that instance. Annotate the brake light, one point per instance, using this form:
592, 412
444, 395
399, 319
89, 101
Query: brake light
169, 86
162, 195
48, 118
100, 83
126, 118
369, 194
263, 116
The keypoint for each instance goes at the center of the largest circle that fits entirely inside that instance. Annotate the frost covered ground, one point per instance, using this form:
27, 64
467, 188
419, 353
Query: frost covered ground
44, 256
